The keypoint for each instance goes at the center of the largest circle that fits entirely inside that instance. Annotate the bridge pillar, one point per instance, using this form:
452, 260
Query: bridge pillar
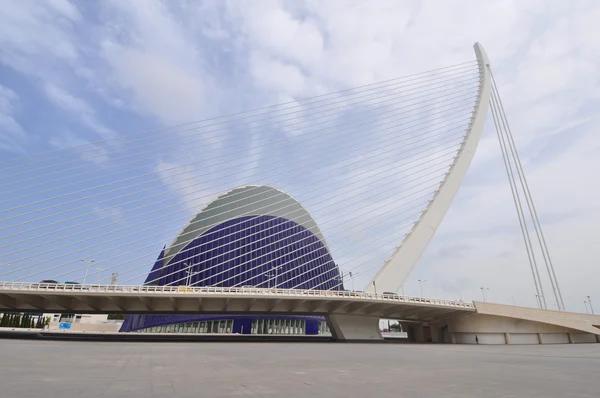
438, 331
419, 333
598, 338
453, 338
354, 327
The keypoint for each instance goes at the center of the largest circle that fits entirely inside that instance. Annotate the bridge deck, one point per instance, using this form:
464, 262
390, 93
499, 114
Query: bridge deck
37, 297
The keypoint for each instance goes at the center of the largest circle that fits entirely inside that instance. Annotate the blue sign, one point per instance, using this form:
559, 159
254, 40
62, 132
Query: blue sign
64, 325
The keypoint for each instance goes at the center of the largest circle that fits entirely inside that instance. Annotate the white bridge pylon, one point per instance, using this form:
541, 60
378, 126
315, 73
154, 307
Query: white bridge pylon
396, 269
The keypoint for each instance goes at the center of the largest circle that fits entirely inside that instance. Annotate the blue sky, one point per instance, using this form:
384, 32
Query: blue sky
73, 73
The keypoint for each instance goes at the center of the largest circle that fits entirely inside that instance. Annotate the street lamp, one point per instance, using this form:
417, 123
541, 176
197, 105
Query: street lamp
87, 269
374, 287
483, 289
349, 273
269, 276
277, 267
421, 281
188, 271
586, 307
590, 303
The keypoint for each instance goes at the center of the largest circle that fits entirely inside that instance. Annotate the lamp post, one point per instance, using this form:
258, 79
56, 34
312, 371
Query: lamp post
586, 307
188, 271
87, 269
421, 281
349, 273
277, 267
483, 289
269, 276
374, 287
590, 303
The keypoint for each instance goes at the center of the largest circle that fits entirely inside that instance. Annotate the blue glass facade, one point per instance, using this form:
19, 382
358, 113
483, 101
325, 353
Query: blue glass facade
261, 251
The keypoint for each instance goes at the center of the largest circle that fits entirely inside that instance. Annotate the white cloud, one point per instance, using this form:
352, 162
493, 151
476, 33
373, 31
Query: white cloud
186, 184
12, 135
66, 8
34, 35
65, 100
158, 63
87, 150
77, 107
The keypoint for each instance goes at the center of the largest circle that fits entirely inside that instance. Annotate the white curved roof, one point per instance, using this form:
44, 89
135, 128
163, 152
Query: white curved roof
248, 200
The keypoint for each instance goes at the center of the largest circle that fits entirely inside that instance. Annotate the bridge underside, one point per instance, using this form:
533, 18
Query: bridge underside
349, 318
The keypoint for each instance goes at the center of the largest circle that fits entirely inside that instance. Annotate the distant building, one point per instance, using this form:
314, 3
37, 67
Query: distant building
250, 236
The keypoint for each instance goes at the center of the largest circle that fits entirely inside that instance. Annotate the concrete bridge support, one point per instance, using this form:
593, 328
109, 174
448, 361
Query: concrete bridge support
354, 327
490, 329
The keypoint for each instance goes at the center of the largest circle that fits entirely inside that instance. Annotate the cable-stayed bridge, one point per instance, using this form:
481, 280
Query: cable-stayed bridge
285, 209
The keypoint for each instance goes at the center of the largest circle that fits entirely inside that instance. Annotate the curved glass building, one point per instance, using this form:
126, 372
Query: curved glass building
250, 236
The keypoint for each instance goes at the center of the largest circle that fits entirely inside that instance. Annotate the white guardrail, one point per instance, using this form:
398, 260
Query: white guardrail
31, 286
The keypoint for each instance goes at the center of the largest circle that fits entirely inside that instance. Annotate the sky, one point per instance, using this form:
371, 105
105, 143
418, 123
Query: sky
75, 73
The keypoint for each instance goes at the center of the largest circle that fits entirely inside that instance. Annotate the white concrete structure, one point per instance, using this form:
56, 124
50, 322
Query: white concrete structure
506, 324
77, 318
351, 315
396, 269
246, 201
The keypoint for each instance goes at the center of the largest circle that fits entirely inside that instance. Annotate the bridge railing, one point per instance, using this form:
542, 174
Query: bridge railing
29, 286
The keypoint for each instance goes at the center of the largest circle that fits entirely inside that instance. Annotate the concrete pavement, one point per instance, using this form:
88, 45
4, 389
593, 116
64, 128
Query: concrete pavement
112, 369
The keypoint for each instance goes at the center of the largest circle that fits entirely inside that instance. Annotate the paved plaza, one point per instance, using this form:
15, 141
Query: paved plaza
112, 369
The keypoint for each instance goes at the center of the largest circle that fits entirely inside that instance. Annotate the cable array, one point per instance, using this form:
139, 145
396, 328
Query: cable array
523, 201
350, 172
